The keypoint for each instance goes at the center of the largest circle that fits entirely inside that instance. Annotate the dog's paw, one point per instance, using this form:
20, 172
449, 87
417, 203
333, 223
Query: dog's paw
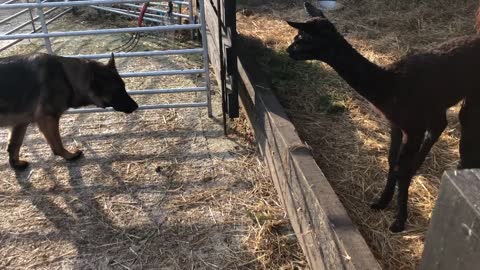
397, 226
71, 156
18, 164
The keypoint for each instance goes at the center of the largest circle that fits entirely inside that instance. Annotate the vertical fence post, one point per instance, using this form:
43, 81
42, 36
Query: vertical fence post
205, 56
179, 12
453, 239
190, 16
41, 16
32, 20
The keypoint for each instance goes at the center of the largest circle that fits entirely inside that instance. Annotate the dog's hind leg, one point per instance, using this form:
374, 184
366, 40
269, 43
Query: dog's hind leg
15, 140
49, 126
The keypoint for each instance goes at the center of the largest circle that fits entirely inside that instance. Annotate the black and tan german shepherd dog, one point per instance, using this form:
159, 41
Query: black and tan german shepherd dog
39, 88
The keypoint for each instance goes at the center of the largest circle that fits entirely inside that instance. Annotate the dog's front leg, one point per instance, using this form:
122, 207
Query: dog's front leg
49, 126
15, 140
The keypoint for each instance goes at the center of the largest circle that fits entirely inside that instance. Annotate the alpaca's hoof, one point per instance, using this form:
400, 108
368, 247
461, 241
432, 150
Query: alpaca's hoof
397, 226
379, 206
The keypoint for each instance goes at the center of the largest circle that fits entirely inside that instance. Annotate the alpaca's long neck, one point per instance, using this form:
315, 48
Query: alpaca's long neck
368, 79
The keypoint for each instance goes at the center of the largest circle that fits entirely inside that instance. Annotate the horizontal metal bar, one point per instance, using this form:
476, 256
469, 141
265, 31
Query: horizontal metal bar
27, 23
167, 91
175, 2
56, 17
125, 13
157, 10
105, 31
135, 14
139, 54
181, 3
69, 4
140, 108
8, 2
14, 16
174, 14
161, 73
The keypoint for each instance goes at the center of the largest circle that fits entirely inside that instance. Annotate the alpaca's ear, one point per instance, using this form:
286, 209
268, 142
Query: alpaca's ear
111, 62
313, 11
298, 25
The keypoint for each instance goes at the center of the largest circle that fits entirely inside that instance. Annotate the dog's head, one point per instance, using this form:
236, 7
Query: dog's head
108, 89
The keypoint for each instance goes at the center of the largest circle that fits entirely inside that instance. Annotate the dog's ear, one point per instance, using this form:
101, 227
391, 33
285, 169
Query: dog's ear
313, 11
111, 62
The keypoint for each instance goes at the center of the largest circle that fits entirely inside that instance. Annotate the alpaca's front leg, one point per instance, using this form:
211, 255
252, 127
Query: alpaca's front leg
404, 173
438, 125
470, 133
411, 158
389, 190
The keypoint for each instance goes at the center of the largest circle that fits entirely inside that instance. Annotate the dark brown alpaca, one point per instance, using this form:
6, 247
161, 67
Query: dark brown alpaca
413, 94
477, 20
470, 128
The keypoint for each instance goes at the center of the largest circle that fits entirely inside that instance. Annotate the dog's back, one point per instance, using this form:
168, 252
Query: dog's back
25, 81
19, 84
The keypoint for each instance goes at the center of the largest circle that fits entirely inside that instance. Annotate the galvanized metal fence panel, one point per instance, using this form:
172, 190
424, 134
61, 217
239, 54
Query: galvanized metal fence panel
99, 4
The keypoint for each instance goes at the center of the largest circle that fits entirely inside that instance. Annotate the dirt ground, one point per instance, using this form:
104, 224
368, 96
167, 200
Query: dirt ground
349, 139
158, 189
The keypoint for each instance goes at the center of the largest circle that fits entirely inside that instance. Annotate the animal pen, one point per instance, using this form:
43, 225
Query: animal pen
159, 189
164, 189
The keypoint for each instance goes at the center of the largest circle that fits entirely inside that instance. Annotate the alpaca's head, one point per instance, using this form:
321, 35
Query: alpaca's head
316, 38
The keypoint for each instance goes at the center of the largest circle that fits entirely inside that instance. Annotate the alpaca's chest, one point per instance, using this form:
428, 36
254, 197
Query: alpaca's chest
378, 111
395, 112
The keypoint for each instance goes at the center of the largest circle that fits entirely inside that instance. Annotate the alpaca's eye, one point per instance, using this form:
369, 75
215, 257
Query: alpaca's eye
303, 37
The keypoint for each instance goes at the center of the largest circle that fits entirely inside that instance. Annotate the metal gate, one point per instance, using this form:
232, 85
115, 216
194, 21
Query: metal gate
46, 7
222, 35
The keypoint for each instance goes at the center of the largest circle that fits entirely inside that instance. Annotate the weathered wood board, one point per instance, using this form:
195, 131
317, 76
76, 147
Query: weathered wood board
453, 239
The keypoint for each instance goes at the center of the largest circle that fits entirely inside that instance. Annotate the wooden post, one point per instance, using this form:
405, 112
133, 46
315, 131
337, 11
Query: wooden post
453, 239
221, 33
